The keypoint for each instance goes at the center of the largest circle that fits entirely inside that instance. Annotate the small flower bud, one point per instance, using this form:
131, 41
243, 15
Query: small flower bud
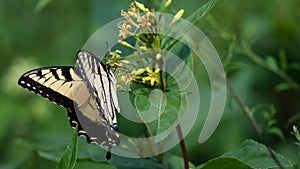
167, 4
126, 44
140, 71
158, 56
144, 48
178, 15
141, 6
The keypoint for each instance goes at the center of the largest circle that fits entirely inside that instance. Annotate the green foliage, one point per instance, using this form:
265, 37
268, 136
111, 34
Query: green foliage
68, 159
163, 107
258, 43
257, 155
224, 163
266, 116
201, 11
42, 4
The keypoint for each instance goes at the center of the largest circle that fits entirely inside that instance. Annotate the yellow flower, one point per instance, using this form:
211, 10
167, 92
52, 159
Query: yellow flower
153, 76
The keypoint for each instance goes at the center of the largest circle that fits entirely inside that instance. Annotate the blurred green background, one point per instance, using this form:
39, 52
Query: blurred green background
50, 32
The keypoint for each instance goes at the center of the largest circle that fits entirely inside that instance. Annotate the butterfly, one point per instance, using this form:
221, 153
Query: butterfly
88, 92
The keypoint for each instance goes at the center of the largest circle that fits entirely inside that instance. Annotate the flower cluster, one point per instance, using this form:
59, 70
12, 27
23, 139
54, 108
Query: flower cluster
138, 17
142, 24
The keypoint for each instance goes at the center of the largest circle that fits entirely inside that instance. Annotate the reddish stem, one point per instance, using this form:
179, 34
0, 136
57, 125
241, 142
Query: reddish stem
183, 148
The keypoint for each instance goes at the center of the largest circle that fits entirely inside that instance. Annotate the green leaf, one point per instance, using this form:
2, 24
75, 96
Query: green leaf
93, 165
277, 132
202, 11
193, 18
160, 111
181, 50
224, 163
182, 71
283, 86
293, 119
257, 155
85, 151
42, 4
272, 63
234, 66
135, 163
90, 151
282, 59
68, 159
51, 156
175, 162
15, 165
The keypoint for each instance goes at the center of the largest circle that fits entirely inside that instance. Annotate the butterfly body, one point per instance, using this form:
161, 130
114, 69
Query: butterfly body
87, 91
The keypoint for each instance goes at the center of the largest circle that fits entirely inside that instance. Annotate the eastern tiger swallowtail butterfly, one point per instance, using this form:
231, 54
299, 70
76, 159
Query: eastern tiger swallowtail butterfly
88, 92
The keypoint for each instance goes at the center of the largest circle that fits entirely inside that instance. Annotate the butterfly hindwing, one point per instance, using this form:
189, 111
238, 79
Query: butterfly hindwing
101, 84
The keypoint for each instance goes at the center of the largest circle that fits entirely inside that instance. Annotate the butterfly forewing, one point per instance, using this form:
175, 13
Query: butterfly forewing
66, 87
101, 84
51, 83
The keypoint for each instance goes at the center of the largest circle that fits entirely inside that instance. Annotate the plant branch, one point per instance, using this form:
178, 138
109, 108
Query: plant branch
253, 121
245, 49
178, 128
182, 146
245, 109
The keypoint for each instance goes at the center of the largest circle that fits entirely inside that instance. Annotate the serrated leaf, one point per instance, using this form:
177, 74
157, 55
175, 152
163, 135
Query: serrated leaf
68, 159
224, 163
257, 155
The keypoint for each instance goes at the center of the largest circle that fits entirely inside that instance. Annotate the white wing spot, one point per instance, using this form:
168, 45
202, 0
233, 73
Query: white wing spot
82, 132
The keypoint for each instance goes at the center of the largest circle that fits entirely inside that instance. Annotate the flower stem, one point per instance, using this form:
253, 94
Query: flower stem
183, 148
178, 128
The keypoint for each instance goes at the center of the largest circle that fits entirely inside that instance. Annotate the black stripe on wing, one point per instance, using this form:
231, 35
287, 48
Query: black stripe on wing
56, 84
100, 83
52, 83
43, 81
